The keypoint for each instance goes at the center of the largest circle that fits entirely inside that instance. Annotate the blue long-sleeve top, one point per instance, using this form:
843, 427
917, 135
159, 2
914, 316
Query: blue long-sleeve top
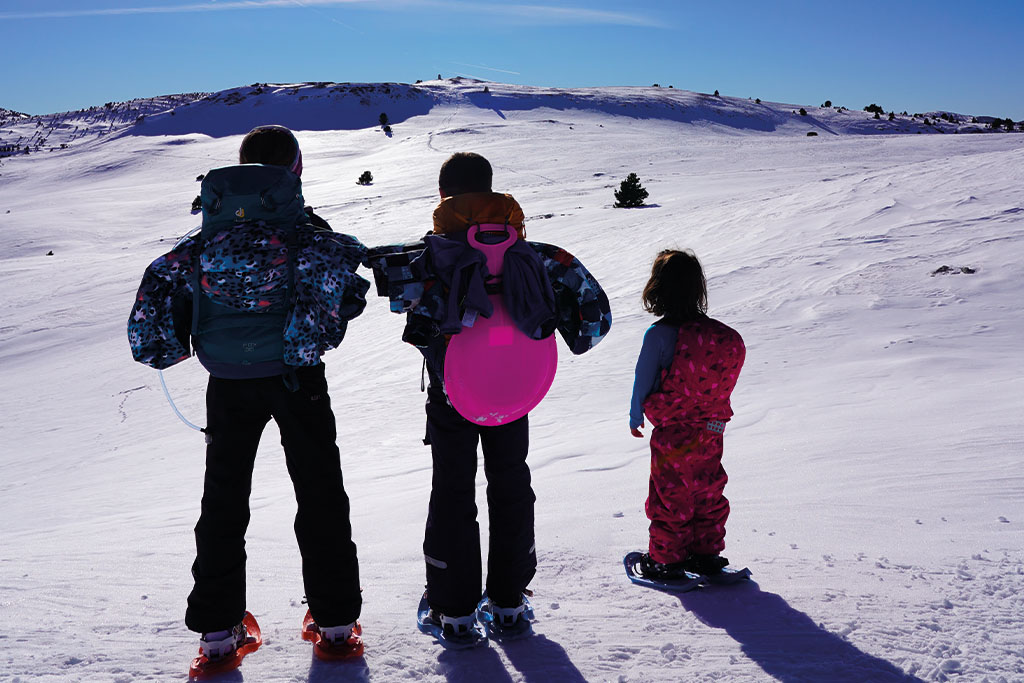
655, 356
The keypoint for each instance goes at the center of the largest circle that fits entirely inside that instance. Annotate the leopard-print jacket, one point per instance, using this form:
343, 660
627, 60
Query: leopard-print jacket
246, 268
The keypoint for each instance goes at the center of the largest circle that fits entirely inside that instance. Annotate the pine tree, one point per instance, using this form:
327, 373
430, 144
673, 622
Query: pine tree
630, 193
366, 178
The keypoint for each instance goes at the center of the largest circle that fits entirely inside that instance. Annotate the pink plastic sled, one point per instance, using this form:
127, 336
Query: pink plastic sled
493, 372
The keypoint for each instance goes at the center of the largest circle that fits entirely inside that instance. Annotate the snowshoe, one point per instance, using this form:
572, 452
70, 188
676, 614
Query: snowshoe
451, 632
672, 571
333, 643
506, 623
221, 654
677, 581
716, 568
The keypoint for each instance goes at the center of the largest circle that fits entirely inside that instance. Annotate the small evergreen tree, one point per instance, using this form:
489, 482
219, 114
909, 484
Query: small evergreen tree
892, 116
716, 94
877, 115
383, 119
874, 108
366, 178
828, 104
630, 193
803, 112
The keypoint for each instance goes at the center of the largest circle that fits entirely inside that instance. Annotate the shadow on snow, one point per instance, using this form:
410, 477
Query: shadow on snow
537, 659
783, 641
353, 670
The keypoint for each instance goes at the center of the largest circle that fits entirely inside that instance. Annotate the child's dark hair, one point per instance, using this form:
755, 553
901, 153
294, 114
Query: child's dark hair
464, 172
677, 289
271, 145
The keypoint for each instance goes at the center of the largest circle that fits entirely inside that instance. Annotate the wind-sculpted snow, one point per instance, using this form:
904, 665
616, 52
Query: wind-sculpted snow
873, 460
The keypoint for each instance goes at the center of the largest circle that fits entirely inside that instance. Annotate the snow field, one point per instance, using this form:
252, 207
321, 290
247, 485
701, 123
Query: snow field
873, 458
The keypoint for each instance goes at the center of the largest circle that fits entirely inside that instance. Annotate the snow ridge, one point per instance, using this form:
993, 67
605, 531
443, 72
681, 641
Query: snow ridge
350, 106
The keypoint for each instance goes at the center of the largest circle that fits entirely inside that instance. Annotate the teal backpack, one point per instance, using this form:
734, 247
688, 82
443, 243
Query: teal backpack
243, 284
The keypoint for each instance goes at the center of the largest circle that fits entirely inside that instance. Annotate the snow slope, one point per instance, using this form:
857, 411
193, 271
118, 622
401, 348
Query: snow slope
874, 457
347, 106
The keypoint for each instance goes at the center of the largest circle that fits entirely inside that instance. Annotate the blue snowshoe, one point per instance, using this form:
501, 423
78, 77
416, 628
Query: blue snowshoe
716, 569
456, 633
506, 623
642, 571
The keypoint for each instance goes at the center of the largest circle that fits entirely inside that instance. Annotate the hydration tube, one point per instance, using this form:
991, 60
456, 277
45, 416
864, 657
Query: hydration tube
163, 383
174, 407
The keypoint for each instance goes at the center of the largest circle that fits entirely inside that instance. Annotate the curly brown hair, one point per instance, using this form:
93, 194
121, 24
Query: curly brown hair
677, 289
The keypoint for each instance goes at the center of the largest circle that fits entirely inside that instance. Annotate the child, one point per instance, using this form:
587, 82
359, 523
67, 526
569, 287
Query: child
562, 295
687, 369
263, 365
452, 539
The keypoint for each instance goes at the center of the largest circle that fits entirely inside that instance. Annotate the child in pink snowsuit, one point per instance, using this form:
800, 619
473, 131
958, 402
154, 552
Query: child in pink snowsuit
687, 369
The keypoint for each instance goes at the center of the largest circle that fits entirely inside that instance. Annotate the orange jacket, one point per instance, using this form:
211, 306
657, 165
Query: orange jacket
457, 213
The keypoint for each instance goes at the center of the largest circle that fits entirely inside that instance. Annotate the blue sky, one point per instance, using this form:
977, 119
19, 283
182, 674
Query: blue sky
960, 56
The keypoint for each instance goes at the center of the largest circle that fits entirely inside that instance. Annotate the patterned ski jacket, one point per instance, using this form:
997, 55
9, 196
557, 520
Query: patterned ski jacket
243, 268
545, 286
583, 315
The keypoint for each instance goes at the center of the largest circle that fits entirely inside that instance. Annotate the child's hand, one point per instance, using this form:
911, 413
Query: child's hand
635, 431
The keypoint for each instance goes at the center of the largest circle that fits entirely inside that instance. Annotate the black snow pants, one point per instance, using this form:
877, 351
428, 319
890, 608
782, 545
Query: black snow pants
452, 541
237, 412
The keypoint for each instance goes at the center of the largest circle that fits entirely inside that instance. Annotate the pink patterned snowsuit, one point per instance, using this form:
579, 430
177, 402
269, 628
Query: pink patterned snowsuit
686, 503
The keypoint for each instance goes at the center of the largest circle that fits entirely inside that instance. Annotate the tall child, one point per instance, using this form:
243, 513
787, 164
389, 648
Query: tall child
687, 369
278, 258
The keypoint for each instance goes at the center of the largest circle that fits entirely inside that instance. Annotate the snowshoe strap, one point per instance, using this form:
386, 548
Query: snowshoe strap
460, 625
216, 645
507, 616
337, 634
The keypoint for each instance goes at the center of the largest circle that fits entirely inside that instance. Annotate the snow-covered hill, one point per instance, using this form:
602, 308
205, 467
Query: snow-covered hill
874, 459
348, 106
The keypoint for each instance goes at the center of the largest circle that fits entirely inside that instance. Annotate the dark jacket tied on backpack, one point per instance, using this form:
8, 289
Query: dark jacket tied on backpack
545, 288
278, 271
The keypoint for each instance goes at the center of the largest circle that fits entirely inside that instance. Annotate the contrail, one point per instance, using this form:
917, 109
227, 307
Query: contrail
172, 9
305, 5
531, 14
488, 68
